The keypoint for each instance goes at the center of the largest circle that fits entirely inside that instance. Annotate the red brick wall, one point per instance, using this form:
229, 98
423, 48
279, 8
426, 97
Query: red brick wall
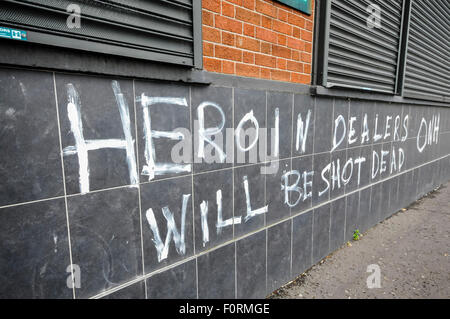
257, 38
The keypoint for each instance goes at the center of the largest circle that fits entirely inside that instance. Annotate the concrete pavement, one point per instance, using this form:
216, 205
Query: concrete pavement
411, 249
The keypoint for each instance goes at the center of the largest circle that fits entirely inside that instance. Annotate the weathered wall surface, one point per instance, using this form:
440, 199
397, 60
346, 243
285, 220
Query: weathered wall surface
87, 179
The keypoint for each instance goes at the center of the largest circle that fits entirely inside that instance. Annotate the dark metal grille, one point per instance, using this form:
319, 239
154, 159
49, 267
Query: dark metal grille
159, 30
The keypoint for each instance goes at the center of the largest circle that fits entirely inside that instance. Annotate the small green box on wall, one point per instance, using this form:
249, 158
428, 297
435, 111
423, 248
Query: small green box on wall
302, 5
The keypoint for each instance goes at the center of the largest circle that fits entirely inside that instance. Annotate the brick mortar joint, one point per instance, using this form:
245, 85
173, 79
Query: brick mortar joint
262, 41
263, 15
259, 26
259, 66
259, 52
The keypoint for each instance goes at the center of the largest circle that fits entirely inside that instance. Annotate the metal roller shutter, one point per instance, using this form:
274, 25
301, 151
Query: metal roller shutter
159, 30
359, 56
427, 73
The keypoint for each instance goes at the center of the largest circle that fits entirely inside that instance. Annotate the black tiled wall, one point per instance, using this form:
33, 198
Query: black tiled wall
49, 222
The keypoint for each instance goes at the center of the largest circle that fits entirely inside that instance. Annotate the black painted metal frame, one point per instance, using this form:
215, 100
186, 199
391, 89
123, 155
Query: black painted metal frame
61, 40
320, 61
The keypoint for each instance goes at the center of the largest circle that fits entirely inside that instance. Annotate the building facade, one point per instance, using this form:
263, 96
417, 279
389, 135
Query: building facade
209, 149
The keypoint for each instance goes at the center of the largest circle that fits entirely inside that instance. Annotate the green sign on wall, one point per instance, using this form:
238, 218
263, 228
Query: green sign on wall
302, 5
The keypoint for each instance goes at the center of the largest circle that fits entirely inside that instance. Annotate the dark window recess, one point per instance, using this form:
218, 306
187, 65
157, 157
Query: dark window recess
427, 73
158, 30
355, 55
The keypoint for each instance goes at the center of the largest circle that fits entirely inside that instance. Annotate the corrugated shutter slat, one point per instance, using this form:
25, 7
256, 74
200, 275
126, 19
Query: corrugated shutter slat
159, 30
427, 71
359, 56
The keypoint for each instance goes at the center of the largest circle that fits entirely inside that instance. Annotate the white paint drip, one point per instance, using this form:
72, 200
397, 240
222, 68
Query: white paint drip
324, 170
302, 131
172, 231
247, 117
365, 133
92, 145
220, 222
346, 180
423, 122
149, 152
291, 188
396, 128
387, 133
204, 209
162, 249
276, 147
375, 172
76, 125
335, 174
405, 127
166, 168
383, 161
436, 128
376, 136
152, 169
351, 131
55, 241
359, 161
204, 220
205, 134
170, 135
147, 101
251, 213
10, 112
393, 167
126, 125
82, 146
307, 183
339, 120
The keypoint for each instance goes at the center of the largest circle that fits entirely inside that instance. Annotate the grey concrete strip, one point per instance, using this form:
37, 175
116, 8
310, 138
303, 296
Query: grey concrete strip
412, 250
